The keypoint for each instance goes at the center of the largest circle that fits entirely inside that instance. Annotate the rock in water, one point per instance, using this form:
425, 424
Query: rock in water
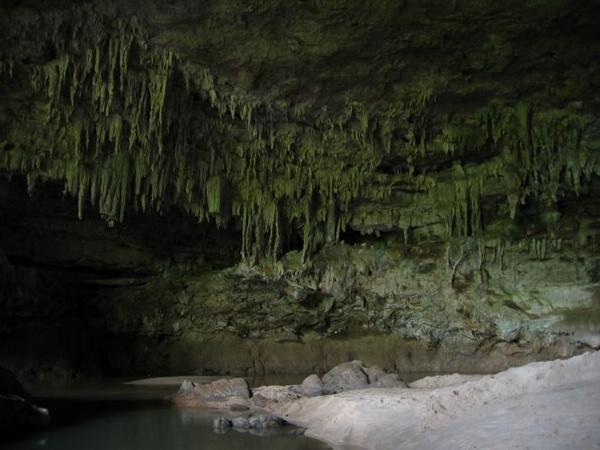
257, 422
221, 423
218, 394
261, 421
240, 423
344, 377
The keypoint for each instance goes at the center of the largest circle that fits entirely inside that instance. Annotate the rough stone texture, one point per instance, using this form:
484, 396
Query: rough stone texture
223, 394
354, 375
253, 421
221, 423
312, 386
345, 377
412, 184
553, 404
265, 396
374, 373
390, 380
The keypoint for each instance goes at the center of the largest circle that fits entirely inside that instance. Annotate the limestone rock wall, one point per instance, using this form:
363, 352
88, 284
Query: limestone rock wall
280, 186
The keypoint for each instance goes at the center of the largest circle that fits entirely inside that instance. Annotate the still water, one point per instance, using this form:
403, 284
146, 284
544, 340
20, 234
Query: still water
119, 417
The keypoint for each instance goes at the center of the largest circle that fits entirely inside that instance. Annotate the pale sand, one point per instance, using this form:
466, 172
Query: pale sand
174, 381
548, 405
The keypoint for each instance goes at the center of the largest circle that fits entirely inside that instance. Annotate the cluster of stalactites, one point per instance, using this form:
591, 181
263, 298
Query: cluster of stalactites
106, 123
121, 131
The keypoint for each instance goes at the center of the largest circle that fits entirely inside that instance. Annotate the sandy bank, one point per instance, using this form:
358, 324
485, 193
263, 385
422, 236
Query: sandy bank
173, 381
548, 405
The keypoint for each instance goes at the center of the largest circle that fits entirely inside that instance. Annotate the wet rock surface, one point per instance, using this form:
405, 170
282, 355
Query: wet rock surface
235, 395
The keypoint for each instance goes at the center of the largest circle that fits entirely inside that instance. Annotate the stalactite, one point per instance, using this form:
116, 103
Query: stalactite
118, 132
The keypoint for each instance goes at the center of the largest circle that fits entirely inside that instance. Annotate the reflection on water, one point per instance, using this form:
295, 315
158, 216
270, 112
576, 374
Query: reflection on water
125, 418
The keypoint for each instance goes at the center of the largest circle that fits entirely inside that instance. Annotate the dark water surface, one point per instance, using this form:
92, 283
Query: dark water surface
119, 417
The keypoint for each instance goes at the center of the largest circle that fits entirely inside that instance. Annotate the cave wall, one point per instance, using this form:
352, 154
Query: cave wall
57, 270
168, 296
229, 187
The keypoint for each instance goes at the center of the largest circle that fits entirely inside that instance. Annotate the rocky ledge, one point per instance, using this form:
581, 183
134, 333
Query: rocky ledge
235, 393
258, 407
552, 404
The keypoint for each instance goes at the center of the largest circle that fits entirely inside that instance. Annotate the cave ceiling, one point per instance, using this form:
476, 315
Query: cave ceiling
293, 121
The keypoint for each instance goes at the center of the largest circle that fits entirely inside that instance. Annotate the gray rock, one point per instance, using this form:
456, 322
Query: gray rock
221, 423
312, 386
263, 421
267, 395
238, 407
215, 394
374, 373
223, 389
344, 377
389, 380
187, 386
240, 423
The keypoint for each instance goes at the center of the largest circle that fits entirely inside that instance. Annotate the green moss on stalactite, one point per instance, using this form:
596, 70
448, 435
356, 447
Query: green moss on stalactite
213, 194
129, 126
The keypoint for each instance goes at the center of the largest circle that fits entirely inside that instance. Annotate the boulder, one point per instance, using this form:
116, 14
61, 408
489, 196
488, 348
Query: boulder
253, 421
312, 386
263, 421
355, 375
241, 423
389, 380
221, 423
222, 394
374, 373
344, 377
265, 396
